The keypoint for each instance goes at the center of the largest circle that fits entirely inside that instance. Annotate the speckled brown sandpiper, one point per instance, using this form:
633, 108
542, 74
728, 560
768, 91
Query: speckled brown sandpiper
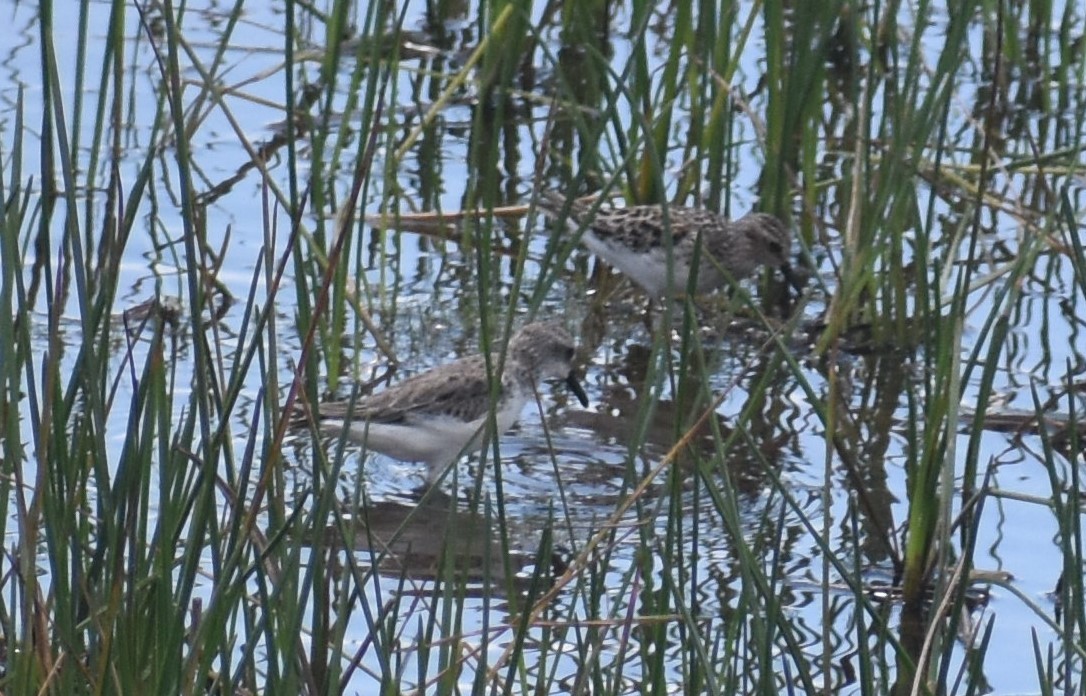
435, 416
632, 239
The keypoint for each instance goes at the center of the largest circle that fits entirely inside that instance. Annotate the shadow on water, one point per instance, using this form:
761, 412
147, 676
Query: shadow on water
440, 538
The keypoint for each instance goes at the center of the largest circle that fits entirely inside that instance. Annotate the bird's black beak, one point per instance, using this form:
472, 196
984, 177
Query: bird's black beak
577, 389
792, 277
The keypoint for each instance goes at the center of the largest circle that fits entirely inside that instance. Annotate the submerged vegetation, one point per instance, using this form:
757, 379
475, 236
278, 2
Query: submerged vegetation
212, 214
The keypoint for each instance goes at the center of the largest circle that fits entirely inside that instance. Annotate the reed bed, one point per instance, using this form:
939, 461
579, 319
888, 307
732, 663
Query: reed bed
214, 217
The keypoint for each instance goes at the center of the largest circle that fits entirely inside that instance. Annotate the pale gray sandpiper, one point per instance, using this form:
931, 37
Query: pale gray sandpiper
436, 415
632, 240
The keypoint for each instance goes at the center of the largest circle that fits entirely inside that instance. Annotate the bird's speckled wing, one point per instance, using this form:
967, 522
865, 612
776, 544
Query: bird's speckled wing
458, 389
641, 227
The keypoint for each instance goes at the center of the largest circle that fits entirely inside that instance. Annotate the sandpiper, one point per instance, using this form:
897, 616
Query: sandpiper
632, 240
437, 415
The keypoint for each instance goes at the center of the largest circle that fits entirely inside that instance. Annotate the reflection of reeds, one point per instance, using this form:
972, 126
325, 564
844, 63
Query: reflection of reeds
164, 540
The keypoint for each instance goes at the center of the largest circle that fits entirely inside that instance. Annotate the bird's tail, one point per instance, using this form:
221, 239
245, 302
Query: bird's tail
554, 205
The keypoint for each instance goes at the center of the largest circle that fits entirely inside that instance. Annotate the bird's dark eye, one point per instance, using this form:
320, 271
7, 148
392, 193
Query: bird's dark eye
776, 247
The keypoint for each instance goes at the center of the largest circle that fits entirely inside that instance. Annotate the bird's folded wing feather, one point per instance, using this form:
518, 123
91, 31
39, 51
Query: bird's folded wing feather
457, 389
